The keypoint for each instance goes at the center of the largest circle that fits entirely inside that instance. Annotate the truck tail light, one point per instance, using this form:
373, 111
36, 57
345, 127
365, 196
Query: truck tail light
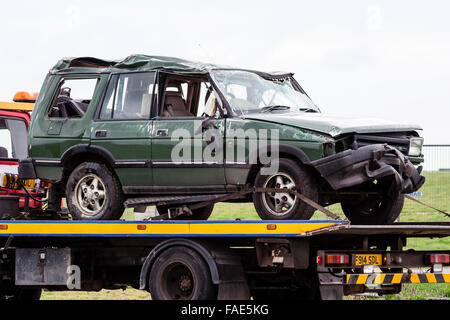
337, 259
439, 258
45, 184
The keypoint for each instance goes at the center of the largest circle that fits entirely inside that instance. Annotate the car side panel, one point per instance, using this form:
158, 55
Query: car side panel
130, 145
167, 153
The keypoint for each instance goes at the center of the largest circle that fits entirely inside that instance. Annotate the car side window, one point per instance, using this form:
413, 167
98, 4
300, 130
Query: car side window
128, 96
72, 98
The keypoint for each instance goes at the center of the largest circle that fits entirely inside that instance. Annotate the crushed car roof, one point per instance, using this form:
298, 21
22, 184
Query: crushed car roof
139, 62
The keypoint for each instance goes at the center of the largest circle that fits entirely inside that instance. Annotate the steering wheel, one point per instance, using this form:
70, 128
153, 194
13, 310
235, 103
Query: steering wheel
75, 107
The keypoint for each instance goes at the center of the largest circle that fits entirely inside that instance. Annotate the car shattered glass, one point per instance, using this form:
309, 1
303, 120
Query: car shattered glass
248, 92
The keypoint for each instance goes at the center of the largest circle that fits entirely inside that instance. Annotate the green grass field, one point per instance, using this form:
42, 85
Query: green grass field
436, 191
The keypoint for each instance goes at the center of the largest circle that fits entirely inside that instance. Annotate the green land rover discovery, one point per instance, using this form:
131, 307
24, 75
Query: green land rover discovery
152, 130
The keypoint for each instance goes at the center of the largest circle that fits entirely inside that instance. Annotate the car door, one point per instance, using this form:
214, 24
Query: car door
187, 149
122, 127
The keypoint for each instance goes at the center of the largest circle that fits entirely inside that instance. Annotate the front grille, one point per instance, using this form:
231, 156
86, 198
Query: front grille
398, 141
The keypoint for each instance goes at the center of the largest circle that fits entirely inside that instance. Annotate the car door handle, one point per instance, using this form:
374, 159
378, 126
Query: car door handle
162, 132
101, 133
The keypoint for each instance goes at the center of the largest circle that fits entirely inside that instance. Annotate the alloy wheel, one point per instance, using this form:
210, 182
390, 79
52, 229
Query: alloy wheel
278, 203
90, 194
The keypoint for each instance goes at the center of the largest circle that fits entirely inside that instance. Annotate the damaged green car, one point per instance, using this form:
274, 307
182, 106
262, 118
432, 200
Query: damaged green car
151, 130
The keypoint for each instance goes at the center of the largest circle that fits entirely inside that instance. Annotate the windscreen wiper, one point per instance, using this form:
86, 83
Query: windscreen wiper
276, 107
308, 110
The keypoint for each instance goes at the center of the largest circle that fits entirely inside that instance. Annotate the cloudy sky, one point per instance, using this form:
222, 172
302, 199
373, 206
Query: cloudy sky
374, 58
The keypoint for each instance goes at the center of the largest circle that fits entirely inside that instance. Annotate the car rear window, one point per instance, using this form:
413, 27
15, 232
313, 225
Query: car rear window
13, 139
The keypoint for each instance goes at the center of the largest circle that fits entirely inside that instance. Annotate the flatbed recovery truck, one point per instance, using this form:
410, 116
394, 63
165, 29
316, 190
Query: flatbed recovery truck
230, 260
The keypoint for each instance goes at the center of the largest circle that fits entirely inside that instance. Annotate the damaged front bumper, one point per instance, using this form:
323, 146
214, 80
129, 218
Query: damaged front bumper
351, 168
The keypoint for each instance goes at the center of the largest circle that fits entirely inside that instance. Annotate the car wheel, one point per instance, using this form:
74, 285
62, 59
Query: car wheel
285, 206
376, 211
93, 192
180, 273
202, 213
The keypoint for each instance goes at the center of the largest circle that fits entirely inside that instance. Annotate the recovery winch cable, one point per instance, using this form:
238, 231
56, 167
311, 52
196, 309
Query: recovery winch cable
310, 202
187, 209
28, 193
426, 205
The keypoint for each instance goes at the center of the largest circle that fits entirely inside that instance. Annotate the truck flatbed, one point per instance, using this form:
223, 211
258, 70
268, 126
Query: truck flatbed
240, 228
231, 228
238, 259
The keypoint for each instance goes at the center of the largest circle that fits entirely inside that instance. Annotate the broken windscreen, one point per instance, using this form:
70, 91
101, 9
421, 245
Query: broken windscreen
248, 92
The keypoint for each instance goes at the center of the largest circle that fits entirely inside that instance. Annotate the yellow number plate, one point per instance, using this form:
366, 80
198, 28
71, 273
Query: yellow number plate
10, 182
373, 259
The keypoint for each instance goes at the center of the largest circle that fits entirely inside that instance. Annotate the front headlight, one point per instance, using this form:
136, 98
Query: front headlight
415, 147
328, 149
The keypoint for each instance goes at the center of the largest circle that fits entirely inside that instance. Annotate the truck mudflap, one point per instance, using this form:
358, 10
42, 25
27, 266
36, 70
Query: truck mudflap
351, 168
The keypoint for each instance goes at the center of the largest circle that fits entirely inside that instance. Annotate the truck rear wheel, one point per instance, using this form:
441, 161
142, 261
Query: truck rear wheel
285, 206
93, 192
376, 211
180, 273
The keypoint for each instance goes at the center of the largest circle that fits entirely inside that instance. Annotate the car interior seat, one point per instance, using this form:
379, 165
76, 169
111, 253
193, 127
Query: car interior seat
132, 105
174, 105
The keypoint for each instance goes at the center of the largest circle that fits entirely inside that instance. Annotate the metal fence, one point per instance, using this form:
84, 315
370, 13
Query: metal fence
436, 169
437, 157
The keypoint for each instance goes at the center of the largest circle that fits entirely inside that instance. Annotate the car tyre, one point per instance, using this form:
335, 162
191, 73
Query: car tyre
93, 192
284, 206
383, 211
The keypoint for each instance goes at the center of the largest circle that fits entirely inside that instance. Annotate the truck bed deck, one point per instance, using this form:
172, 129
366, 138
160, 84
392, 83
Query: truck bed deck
164, 228
240, 228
